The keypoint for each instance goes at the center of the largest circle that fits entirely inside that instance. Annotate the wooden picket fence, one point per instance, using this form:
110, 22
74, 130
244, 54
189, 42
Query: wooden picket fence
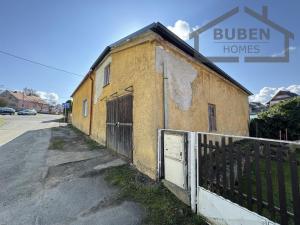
261, 175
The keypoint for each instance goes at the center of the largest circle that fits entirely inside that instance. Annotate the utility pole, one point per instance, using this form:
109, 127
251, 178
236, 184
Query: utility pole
23, 99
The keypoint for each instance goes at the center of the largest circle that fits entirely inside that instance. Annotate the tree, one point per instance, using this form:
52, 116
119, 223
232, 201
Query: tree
69, 110
30, 92
282, 117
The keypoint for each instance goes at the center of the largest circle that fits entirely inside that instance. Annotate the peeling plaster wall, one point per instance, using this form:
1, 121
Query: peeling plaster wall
192, 86
180, 76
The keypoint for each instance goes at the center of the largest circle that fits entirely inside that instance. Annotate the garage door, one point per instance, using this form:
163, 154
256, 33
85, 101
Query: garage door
119, 125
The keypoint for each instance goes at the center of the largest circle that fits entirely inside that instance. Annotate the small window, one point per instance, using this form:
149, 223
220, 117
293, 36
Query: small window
85, 108
106, 75
212, 118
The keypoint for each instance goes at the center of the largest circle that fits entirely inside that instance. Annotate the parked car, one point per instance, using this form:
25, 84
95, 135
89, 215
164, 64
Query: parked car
7, 111
27, 112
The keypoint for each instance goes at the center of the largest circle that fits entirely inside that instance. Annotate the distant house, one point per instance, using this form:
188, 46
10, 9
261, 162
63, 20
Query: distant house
281, 96
18, 100
56, 109
255, 108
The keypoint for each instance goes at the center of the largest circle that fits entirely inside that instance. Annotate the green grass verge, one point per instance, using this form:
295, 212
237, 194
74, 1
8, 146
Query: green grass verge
56, 143
88, 141
162, 207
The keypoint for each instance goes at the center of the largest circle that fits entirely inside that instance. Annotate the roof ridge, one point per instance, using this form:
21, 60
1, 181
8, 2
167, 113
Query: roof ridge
168, 35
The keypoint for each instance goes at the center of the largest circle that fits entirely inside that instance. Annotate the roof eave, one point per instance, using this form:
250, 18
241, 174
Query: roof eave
165, 33
178, 42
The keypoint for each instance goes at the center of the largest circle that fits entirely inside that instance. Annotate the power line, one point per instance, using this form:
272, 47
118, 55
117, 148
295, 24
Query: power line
40, 64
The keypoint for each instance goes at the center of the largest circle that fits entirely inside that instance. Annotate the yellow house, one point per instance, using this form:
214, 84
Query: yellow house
152, 79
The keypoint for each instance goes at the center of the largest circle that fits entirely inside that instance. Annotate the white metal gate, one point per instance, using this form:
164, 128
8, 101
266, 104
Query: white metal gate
175, 158
179, 163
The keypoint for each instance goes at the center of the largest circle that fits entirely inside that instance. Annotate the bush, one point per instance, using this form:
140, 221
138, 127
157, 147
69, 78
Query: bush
282, 116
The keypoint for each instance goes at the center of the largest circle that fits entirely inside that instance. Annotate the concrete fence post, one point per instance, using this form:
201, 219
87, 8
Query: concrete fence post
192, 149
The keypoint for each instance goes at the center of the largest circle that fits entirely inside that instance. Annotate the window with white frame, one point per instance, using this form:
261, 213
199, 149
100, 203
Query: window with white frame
85, 108
106, 75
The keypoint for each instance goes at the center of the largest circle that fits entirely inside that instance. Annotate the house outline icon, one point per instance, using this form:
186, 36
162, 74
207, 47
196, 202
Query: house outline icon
260, 17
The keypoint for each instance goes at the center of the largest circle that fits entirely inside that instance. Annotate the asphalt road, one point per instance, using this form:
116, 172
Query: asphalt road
42, 186
16, 125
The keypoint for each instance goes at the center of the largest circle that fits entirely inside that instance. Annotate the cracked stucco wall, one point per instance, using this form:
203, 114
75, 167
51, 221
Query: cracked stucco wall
192, 86
180, 76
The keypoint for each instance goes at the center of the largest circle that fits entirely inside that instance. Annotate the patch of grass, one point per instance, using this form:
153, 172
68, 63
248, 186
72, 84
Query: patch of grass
76, 130
56, 143
92, 144
88, 141
2, 122
55, 128
161, 205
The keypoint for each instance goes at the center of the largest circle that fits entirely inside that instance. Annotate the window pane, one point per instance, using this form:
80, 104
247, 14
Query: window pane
212, 123
106, 75
84, 108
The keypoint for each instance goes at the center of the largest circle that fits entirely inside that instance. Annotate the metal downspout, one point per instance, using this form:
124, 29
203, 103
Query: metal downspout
91, 104
165, 97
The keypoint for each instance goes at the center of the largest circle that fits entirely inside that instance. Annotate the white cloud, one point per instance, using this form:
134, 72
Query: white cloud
294, 88
291, 49
266, 93
181, 29
50, 97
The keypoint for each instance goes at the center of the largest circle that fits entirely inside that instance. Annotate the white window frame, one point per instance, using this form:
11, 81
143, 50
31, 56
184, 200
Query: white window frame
85, 108
106, 75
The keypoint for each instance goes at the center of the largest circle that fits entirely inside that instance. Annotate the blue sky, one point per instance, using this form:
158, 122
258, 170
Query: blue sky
71, 35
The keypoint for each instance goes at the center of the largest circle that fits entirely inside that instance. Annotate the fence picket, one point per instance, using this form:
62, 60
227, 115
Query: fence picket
206, 161
295, 187
231, 172
239, 176
269, 180
281, 188
211, 166
258, 178
217, 166
248, 179
224, 166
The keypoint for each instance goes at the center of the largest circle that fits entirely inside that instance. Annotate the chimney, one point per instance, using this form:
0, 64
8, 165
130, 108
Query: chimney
265, 11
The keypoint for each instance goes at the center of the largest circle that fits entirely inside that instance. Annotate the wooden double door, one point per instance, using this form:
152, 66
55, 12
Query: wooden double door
119, 125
